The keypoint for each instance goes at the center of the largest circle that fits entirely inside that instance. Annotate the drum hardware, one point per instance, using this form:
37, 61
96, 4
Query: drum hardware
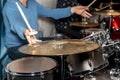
95, 34
115, 72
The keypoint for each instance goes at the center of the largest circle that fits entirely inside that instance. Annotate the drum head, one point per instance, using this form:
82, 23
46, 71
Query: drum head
31, 65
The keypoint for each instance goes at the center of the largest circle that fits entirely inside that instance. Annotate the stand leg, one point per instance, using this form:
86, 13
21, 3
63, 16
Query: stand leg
62, 68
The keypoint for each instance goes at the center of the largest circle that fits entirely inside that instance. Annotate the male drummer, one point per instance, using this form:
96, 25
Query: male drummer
17, 33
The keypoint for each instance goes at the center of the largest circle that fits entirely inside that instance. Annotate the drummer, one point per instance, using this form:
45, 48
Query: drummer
17, 33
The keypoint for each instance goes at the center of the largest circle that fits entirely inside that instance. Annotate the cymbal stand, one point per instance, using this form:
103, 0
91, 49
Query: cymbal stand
109, 28
83, 31
62, 67
62, 57
62, 63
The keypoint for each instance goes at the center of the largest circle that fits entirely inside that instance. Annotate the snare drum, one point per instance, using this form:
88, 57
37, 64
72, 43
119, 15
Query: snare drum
82, 63
32, 68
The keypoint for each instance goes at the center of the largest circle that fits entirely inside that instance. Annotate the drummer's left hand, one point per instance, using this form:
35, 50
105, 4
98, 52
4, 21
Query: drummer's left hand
31, 37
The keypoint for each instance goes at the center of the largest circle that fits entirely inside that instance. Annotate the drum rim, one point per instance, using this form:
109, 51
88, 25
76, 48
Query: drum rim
32, 73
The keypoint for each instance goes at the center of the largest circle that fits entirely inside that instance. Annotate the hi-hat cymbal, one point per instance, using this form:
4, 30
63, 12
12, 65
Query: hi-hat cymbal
84, 24
108, 12
59, 47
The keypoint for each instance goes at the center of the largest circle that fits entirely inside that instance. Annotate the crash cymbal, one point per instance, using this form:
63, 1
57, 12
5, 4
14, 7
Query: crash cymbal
84, 24
108, 12
59, 47
112, 3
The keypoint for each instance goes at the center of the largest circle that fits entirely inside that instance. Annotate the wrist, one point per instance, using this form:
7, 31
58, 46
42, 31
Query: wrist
72, 10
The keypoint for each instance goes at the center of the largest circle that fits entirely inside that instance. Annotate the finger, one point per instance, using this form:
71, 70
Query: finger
86, 14
29, 39
35, 40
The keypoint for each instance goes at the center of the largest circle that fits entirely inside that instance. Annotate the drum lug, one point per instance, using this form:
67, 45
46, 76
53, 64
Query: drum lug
42, 75
105, 56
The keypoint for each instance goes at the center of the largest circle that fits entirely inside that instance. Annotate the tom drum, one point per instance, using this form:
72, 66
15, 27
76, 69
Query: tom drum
32, 68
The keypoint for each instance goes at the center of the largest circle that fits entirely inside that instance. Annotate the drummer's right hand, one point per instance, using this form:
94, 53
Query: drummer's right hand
30, 36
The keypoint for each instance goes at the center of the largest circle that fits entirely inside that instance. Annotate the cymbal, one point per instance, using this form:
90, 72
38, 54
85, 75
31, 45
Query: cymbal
59, 47
108, 12
84, 24
112, 3
94, 30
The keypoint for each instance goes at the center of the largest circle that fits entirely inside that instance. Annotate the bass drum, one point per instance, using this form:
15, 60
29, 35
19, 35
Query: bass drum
85, 62
32, 68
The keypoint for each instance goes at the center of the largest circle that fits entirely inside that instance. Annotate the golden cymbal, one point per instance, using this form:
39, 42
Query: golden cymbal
84, 24
112, 3
108, 12
59, 47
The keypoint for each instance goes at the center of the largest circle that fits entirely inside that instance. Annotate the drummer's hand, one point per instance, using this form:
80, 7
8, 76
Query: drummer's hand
30, 36
81, 10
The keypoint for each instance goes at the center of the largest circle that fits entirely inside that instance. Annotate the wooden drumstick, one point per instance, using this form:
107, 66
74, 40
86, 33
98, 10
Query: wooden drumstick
91, 3
25, 19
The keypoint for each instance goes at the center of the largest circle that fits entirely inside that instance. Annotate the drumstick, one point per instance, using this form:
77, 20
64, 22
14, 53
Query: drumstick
91, 3
103, 8
25, 19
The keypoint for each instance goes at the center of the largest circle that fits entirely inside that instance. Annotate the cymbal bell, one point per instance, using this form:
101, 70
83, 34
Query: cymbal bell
59, 47
84, 24
108, 12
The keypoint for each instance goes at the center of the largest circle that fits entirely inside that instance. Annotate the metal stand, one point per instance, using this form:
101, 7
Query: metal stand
62, 67
115, 72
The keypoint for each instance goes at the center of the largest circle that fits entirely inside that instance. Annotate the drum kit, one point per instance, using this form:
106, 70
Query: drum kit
87, 57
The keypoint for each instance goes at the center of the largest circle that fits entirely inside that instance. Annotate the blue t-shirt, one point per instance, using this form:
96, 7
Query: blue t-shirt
15, 25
